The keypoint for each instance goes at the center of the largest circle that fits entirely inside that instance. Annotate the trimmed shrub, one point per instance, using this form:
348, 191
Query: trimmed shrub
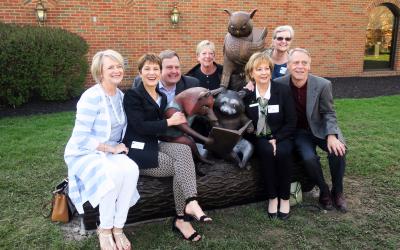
40, 62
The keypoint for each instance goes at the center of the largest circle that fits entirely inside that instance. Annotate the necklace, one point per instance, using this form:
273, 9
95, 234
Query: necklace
121, 119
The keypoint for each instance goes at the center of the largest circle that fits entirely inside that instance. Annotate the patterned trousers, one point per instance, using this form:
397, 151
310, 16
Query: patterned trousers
175, 159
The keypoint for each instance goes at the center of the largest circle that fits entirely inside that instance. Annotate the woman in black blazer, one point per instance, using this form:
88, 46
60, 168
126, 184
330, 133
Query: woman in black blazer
144, 106
271, 107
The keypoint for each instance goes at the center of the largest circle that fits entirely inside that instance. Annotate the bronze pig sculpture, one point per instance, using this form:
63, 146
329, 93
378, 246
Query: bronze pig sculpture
191, 102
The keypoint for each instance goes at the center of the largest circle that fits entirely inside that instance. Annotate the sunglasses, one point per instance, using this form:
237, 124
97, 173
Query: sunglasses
287, 39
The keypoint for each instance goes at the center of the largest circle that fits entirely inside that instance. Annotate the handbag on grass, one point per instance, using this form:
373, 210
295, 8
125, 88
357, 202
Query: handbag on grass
59, 211
296, 195
62, 209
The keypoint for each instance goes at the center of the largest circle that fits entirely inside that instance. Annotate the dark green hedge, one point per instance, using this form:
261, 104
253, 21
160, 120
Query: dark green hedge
40, 62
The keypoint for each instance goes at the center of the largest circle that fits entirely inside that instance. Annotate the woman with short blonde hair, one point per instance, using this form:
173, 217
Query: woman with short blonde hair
98, 169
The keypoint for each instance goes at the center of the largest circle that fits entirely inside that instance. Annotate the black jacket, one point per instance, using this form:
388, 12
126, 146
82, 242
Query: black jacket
184, 83
195, 72
282, 123
145, 123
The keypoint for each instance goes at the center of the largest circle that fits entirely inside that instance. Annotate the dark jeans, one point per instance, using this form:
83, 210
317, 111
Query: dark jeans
306, 144
276, 169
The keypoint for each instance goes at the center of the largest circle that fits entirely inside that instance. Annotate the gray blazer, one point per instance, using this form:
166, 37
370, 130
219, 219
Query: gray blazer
321, 115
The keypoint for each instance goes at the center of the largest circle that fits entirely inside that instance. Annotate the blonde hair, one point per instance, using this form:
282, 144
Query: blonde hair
256, 60
97, 62
205, 44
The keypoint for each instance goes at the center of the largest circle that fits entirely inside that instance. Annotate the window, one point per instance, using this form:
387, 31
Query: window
381, 38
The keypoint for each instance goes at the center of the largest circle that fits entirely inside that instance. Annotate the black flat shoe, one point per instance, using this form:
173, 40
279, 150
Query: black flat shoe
283, 216
272, 215
189, 217
176, 230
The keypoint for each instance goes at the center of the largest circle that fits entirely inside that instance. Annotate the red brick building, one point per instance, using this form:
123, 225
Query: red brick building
335, 32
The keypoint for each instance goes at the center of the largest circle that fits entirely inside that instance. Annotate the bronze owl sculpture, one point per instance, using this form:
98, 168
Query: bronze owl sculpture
240, 43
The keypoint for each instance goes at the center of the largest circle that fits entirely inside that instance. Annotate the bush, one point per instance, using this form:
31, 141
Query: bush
42, 62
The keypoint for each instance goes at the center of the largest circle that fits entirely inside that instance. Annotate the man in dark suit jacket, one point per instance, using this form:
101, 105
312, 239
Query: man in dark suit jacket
172, 81
317, 126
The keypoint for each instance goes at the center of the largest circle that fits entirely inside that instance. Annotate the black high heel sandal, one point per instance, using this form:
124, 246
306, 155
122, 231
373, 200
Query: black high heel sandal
189, 217
283, 216
176, 230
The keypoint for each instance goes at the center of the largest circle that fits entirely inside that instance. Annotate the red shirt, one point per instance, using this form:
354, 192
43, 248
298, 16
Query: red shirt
300, 99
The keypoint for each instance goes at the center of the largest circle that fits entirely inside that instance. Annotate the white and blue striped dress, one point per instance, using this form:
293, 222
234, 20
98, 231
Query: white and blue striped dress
86, 169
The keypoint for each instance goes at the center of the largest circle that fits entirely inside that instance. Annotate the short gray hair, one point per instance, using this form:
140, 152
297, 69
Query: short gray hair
282, 29
301, 50
97, 62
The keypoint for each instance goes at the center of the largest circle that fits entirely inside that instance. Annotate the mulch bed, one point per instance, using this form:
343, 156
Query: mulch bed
344, 87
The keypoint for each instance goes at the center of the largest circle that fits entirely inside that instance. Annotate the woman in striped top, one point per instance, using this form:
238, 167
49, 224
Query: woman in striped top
98, 169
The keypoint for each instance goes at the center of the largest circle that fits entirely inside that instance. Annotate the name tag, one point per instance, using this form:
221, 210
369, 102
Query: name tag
253, 105
273, 109
283, 70
137, 145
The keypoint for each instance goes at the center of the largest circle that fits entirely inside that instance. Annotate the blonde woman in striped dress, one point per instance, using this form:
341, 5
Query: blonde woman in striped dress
98, 169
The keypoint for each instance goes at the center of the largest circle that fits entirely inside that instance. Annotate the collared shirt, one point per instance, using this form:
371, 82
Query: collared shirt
300, 99
267, 96
170, 93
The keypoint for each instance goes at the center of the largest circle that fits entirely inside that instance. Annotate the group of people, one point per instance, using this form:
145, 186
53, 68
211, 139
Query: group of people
117, 136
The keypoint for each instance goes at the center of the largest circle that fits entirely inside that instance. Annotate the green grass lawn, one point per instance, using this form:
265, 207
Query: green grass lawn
31, 164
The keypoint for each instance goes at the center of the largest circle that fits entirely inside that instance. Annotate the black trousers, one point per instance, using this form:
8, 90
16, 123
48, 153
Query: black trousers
306, 144
276, 169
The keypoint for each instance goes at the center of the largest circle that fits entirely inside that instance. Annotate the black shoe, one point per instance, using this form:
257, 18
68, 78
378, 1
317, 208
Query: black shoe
175, 229
272, 215
325, 200
283, 216
189, 217
339, 202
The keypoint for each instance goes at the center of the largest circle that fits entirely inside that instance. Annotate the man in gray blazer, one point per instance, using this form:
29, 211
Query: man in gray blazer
316, 126
172, 81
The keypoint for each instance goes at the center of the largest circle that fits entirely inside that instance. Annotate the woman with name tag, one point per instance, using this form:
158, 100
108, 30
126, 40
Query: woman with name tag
270, 106
281, 39
278, 52
99, 170
144, 106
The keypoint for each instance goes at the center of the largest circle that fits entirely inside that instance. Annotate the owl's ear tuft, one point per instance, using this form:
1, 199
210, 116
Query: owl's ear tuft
228, 11
252, 13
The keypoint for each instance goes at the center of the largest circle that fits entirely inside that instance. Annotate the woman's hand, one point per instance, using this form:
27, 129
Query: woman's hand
119, 148
176, 119
273, 143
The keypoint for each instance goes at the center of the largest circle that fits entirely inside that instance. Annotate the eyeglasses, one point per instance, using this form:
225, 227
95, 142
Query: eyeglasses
287, 39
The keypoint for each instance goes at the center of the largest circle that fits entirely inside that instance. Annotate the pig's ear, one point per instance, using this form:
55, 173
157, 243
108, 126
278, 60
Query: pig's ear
206, 93
215, 92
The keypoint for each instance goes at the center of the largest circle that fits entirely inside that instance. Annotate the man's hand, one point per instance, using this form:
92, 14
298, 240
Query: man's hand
335, 146
249, 86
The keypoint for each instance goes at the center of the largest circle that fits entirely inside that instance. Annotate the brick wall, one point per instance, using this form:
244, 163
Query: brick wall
333, 31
